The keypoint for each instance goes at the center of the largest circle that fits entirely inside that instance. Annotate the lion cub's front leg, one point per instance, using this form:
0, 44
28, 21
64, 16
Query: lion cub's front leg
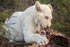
41, 40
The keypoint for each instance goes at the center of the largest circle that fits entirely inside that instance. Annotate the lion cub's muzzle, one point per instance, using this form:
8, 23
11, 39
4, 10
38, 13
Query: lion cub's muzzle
44, 28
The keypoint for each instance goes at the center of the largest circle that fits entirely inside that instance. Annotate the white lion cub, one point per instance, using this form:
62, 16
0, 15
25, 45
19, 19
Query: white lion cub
23, 25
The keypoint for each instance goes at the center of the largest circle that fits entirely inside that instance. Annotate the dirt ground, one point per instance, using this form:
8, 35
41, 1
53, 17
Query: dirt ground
55, 40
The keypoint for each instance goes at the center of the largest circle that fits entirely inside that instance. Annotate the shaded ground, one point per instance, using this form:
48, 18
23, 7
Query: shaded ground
56, 40
4, 43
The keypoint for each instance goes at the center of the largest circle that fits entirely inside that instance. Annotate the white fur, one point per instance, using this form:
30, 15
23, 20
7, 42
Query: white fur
23, 25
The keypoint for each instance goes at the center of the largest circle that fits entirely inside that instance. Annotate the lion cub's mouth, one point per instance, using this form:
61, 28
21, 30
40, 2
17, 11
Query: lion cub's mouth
44, 28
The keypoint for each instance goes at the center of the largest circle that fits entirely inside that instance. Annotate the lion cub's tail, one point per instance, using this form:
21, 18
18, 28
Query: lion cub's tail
5, 25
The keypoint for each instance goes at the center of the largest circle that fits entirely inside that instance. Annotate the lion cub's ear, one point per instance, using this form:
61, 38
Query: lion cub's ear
38, 6
50, 6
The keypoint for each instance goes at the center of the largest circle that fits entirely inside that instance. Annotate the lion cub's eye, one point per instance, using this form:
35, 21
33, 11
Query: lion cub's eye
46, 17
